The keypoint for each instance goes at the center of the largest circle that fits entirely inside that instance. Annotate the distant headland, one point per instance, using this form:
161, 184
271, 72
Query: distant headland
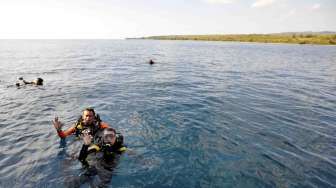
321, 38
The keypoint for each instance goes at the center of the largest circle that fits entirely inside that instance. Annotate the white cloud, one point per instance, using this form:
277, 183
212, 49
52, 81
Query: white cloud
219, 1
316, 6
262, 3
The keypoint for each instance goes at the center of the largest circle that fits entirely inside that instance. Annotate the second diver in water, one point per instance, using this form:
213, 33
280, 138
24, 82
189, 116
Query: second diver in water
106, 141
99, 155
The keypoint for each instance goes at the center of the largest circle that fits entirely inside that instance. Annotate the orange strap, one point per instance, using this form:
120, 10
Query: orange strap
66, 133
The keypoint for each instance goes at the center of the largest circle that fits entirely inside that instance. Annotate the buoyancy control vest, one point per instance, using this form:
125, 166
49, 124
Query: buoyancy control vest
92, 129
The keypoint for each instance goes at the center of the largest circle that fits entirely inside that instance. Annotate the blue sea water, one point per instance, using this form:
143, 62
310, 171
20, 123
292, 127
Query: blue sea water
207, 114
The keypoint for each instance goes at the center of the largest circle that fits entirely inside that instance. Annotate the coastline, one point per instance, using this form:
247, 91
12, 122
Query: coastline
289, 38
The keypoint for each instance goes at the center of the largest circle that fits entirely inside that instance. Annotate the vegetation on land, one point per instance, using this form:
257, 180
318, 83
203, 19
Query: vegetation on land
295, 38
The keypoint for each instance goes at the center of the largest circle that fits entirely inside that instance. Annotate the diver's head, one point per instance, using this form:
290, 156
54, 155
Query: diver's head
38, 81
111, 142
109, 136
88, 116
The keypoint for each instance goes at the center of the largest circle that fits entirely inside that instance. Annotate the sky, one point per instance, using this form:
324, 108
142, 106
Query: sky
118, 19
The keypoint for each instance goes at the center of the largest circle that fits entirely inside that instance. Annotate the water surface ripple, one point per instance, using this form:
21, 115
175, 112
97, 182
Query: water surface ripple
208, 114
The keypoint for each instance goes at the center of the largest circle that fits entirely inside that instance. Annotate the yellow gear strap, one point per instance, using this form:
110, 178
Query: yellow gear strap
94, 146
122, 149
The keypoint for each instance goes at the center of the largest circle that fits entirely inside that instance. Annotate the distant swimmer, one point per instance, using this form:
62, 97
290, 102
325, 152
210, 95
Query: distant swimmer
88, 121
37, 82
151, 62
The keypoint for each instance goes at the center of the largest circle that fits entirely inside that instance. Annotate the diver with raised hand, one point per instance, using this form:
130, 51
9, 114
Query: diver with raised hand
106, 141
89, 121
99, 156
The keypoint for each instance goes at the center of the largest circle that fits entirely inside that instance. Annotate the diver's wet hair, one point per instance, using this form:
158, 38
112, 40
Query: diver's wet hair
39, 81
109, 131
90, 110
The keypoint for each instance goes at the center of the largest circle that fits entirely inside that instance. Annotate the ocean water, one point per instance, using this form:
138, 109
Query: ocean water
207, 114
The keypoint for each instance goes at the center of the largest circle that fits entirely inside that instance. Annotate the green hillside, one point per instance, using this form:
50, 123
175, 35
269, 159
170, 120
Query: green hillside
295, 38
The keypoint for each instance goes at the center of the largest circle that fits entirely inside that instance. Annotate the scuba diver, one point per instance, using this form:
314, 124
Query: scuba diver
107, 141
37, 82
99, 156
89, 121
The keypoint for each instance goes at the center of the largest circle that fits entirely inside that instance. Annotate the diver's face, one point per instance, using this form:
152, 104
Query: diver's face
109, 139
88, 117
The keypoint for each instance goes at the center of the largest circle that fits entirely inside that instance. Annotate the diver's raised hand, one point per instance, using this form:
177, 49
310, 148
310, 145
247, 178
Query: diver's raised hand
87, 138
57, 124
